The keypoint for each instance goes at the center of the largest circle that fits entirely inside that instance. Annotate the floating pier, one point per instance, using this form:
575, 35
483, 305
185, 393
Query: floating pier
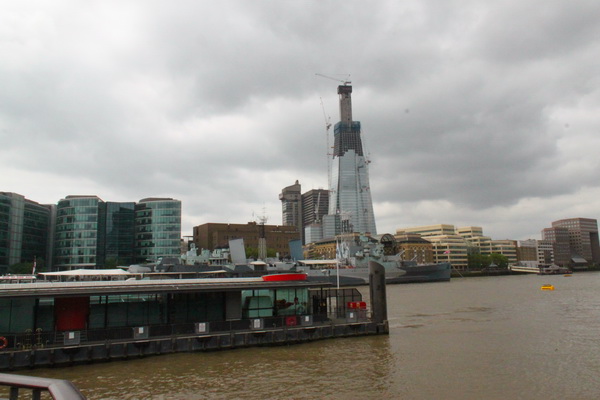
67, 323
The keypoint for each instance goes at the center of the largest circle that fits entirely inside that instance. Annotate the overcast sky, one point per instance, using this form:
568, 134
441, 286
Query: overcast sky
473, 113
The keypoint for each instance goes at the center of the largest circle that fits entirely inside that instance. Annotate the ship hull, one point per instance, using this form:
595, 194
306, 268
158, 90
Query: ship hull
394, 275
425, 273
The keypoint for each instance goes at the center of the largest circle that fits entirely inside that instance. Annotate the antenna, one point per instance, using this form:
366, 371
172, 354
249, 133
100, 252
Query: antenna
262, 238
263, 218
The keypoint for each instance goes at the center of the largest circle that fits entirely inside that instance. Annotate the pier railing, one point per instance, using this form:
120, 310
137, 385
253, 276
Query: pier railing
31, 340
329, 306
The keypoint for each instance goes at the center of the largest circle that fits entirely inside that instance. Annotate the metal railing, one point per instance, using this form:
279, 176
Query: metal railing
57, 388
47, 339
329, 305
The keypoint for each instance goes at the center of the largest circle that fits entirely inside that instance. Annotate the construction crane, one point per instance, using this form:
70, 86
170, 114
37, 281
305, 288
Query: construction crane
317, 216
327, 127
345, 82
327, 117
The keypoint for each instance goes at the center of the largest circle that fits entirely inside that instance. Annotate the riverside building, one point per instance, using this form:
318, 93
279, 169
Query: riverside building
535, 253
157, 228
583, 237
92, 233
76, 237
291, 204
304, 211
451, 244
559, 237
447, 245
84, 231
24, 227
211, 236
574, 242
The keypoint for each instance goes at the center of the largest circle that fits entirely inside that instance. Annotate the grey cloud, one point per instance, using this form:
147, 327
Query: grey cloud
464, 102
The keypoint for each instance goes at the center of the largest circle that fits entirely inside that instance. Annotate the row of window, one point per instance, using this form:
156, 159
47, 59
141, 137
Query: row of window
76, 235
158, 221
75, 243
77, 218
157, 243
79, 210
77, 227
80, 251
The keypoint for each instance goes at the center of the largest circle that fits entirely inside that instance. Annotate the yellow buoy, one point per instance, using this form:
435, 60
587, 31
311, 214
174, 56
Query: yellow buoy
547, 287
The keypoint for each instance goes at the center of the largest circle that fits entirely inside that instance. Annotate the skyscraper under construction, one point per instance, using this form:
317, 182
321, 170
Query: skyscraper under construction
350, 203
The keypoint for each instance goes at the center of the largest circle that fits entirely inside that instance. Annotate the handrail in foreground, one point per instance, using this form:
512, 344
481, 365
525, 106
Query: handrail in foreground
59, 389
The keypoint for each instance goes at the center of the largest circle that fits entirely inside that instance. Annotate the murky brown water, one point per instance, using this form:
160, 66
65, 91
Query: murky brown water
475, 338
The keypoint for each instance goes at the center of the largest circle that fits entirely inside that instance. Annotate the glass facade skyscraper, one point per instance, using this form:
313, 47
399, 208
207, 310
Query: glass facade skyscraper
157, 229
350, 193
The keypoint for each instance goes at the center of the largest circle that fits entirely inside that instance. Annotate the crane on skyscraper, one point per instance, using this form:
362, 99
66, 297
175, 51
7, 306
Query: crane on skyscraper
345, 82
327, 127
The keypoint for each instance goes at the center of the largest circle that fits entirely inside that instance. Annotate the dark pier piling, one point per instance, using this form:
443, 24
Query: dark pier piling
378, 296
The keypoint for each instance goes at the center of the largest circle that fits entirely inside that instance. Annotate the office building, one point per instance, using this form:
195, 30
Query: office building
157, 229
447, 245
527, 252
486, 245
92, 233
545, 253
304, 211
24, 231
412, 247
315, 204
583, 238
76, 237
561, 249
455, 244
505, 247
535, 253
217, 235
116, 232
291, 205
83, 231
429, 230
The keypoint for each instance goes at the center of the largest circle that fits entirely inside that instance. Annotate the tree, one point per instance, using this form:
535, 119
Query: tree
500, 260
252, 252
26, 268
111, 262
476, 261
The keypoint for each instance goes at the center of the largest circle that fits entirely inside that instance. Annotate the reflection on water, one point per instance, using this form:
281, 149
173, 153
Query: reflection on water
480, 338
315, 370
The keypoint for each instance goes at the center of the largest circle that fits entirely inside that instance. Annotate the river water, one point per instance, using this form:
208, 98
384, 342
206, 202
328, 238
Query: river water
471, 338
